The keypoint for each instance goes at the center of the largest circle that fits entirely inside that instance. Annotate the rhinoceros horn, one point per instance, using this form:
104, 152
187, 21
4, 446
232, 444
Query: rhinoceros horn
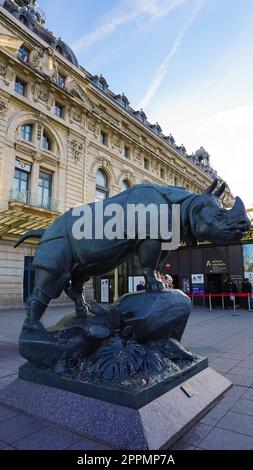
221, 190
211, 188
238, 207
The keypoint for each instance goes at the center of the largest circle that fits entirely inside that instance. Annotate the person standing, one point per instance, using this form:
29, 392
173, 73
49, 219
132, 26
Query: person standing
246, 289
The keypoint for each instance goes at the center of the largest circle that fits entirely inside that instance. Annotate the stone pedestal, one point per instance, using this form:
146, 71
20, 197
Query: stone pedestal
157, 425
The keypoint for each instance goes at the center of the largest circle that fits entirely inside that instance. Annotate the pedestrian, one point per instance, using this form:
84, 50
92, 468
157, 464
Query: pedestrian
226, 291
247, 290
211, 289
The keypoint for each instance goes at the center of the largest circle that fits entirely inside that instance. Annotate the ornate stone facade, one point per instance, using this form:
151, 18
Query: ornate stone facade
63, 125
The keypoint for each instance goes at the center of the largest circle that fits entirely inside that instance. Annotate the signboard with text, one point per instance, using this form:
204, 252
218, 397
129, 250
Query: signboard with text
215, 260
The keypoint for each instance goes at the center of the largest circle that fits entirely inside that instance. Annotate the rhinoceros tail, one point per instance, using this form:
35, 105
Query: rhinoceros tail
31, 234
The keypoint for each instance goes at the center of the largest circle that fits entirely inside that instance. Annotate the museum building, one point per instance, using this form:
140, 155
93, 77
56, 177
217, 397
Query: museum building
66, 138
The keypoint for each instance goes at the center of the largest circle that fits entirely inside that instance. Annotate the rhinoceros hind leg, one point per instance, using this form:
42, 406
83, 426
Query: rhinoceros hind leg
48, 286
75, 291
149, 252
35, 308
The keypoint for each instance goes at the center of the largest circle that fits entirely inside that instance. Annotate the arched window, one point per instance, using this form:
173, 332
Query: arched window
26, 132
125, 185
46, 142
102, 185
23, 54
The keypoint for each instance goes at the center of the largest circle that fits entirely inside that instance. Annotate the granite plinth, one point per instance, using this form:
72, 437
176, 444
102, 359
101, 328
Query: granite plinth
157, 425
120, 394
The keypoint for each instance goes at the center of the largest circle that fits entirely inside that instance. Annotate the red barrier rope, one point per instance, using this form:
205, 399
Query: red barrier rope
220, 295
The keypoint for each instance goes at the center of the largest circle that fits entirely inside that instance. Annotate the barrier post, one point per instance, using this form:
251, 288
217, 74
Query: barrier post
222, 300
234, 313
210, 302
249, 302
192, 301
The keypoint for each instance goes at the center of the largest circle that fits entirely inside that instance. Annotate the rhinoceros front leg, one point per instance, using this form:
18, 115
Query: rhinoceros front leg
75, 291
149, 252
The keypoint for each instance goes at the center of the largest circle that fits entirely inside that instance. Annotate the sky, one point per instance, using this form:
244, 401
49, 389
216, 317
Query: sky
187, 63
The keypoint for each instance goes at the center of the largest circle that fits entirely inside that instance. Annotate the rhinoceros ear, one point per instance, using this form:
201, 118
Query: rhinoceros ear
221, 190
211, 188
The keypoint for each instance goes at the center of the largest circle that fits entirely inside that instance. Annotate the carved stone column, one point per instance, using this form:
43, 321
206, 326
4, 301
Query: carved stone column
34, 185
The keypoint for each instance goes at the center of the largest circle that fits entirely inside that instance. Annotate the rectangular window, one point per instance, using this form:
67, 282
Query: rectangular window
146, 164
103, 138
45, 190
126, 152
21, 182
162, 173
61, 80
176, 181
24, 54
58, 110
20, 86
27, 132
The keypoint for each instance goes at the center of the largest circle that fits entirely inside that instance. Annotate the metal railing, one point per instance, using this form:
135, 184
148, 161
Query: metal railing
233, 300
33, 199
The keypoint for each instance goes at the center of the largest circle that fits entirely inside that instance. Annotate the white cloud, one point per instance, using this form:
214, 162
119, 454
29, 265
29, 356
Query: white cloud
162, 70
228, 137
126, 12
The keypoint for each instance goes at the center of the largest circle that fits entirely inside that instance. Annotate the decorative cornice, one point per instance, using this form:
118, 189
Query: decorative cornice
27, 149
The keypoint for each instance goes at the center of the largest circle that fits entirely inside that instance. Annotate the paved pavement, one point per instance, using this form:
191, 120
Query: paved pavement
225, 338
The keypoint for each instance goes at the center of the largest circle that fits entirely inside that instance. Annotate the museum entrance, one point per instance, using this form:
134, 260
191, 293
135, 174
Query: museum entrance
214, 284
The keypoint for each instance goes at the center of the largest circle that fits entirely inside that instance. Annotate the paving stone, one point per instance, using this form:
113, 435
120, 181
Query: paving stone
220, 439
245, 371
236, 422
239, 379
12, 365
236, 391
18, 427
218, 412
2, 444
248, 363
50, 438
194, 436
86, 444
224, 365
183, 447
7, 413
6, 372
9, 448
248, 394
243, 406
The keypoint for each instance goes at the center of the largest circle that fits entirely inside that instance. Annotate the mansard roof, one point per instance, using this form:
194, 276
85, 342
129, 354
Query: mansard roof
28, 12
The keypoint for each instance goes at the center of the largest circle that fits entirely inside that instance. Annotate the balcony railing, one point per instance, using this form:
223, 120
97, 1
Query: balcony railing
33, 199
